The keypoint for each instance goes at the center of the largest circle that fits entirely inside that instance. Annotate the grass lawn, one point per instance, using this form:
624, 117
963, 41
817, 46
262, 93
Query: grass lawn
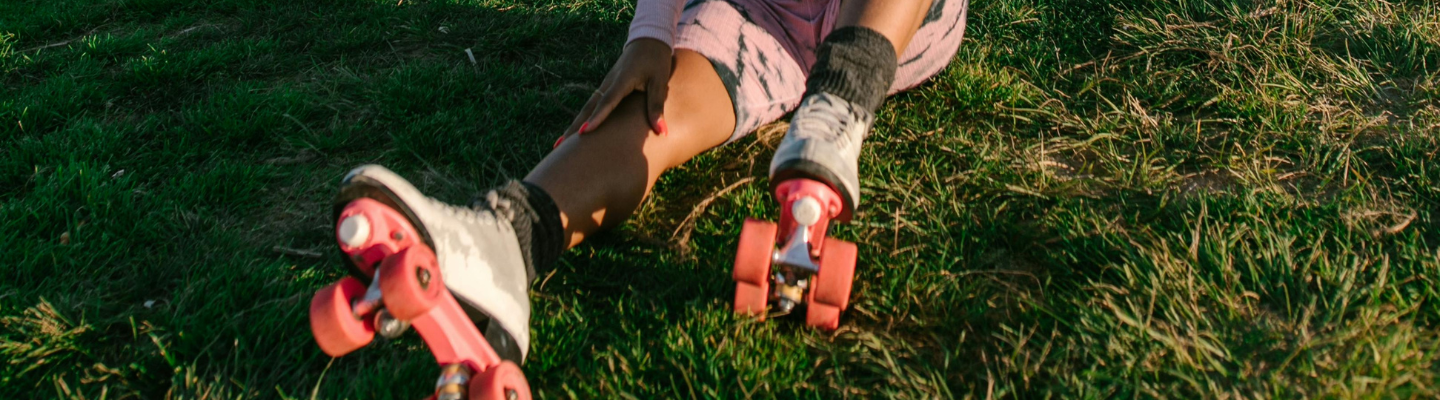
1129, 198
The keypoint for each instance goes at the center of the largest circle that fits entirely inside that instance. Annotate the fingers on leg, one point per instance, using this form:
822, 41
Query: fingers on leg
598, 179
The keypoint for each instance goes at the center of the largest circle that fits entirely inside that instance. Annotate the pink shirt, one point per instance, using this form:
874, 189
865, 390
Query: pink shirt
801, 20
656, 19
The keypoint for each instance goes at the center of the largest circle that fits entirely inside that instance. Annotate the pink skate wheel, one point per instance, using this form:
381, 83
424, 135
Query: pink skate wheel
822, 316
503, 381
752, 267
336, 329
410, 282
837, 273
832, 284
757, 247
751, 300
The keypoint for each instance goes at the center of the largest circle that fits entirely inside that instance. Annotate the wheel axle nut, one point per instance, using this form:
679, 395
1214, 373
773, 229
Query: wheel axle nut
423, 275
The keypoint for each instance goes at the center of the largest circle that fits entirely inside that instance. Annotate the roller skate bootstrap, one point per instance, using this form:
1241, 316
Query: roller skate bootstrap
422, 259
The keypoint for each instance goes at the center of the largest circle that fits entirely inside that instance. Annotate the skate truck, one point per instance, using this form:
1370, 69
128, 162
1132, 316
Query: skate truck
795, 262
406, 290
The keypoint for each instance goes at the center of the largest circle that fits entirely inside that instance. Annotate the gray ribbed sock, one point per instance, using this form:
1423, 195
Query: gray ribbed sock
536, 220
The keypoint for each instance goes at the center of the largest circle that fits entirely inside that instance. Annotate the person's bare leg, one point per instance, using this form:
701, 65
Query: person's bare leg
598, 179
897, 20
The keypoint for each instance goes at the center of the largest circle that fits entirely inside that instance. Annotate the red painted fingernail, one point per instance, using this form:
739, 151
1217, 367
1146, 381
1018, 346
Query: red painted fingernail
557, 142
584, 127
660, 125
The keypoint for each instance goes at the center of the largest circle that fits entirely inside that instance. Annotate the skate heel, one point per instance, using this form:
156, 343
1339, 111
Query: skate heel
805, 267
407, 291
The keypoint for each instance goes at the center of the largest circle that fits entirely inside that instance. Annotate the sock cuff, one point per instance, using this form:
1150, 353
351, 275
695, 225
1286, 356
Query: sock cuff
536, 220
855, 63
549, 232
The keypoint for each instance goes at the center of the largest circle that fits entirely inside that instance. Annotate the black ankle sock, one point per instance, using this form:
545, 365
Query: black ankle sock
536, 220
855, 63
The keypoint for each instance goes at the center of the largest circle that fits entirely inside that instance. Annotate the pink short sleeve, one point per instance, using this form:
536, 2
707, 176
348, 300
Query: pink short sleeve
656, 19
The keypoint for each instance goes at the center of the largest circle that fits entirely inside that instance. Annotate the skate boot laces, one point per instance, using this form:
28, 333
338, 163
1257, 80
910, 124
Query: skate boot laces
831, 119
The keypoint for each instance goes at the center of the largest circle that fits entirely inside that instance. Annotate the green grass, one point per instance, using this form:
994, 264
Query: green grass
1137, 198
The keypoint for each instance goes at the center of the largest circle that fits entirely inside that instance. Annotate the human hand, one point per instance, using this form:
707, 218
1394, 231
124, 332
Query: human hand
644, 66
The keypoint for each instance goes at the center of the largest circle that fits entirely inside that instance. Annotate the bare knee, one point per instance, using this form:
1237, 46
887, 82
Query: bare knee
698, 112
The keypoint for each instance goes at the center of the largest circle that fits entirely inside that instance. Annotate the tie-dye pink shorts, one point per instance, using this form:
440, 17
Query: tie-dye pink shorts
763, 49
